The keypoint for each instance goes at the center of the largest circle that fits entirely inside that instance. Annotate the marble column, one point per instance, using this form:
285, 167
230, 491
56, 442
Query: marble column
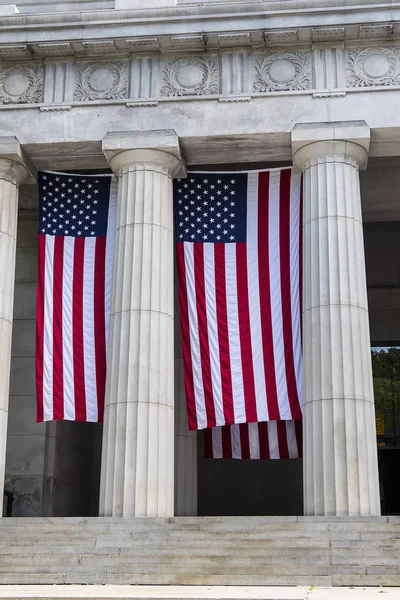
185, 440
137, 472
340, 449
12, 172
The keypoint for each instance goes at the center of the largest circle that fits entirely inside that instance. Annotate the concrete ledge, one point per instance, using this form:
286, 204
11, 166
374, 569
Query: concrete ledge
111, 592
144, 592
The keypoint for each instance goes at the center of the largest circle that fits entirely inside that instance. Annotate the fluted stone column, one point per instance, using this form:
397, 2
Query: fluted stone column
185, 440
12, 172
340, 450
137, 473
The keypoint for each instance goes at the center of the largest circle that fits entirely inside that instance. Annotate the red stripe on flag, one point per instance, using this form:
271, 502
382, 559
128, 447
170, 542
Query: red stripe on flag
186, 350
58, 363
198, 259
298, 425
226, 441
244, 440
208, 444
282, 439
263, 440
99, 323
223, 333
265, 296
245, 333
284, 234
77, 334
40, 326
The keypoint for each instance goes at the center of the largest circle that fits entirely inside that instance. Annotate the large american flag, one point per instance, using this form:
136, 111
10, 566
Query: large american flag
76, 239
238, 255
269, 440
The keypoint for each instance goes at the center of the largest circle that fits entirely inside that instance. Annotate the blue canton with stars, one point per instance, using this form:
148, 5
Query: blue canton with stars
211, 208
73, 205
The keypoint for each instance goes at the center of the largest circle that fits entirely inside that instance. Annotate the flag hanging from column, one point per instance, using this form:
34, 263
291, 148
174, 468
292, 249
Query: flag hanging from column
269, 440
75, 258
238, 256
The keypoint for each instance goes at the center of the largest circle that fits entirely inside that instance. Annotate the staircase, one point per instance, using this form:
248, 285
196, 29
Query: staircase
250, 551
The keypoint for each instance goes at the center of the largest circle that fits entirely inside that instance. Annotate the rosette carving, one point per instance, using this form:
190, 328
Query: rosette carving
102, 81
21, 85
282, 72
192, 76
373, 66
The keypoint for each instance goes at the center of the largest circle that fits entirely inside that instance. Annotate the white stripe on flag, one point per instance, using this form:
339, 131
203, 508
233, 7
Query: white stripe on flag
276, 295
236, 445
48, 331
254, 297
291, 439
89, 352
194, 336
233, 334
109, 262
67, 329
211, 307
217, 442
295, 251
273, 439
254, 441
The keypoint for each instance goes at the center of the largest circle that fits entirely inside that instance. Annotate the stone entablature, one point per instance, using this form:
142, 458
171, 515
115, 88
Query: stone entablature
323, 68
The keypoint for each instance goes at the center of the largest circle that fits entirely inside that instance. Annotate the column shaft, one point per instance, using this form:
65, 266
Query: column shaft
340, 453
185, 451
137, 477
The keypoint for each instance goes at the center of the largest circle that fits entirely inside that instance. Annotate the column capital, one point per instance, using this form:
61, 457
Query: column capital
313, 142
124, 148
14, 164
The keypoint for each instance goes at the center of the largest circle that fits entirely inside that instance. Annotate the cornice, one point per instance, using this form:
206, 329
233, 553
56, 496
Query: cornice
124, 44
215, 22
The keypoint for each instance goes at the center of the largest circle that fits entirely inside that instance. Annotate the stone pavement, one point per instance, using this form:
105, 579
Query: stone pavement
117, 592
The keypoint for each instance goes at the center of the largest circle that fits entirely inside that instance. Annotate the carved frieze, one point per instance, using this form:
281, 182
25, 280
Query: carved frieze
21, 84
373, 67
282, 72
102, 81
192, 76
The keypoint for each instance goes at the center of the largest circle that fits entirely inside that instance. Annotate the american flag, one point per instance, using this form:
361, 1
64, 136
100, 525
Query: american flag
76, 239
238, 254
273, 439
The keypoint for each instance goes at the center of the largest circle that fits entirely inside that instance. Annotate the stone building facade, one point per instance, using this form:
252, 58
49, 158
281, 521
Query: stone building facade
150, 93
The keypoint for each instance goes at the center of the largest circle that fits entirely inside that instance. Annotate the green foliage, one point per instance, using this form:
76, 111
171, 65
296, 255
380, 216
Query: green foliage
386, 373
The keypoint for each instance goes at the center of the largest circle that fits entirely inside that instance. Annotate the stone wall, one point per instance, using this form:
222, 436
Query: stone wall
50, 466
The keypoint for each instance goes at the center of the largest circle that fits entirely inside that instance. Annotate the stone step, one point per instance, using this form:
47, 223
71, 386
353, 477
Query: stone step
227, 551
208, 536
165, 579
193, 559
188, 570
